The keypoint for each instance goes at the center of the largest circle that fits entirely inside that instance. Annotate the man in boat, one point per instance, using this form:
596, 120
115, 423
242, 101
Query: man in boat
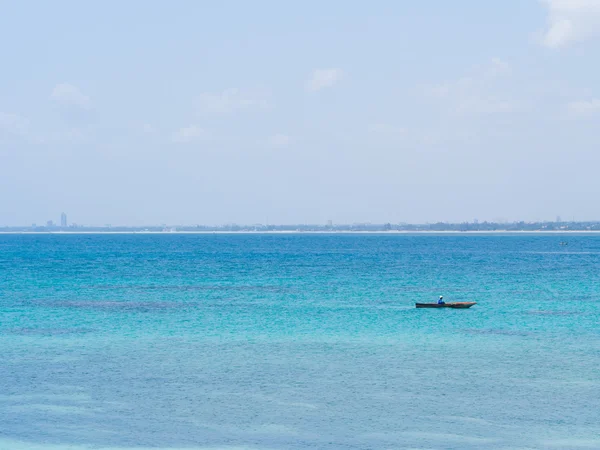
441, 300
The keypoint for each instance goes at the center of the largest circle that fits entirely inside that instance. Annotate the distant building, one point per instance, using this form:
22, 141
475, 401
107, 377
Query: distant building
329, 223
49, 224
63, 220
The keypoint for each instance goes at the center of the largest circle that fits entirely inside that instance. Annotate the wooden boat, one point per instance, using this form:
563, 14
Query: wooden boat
461, 305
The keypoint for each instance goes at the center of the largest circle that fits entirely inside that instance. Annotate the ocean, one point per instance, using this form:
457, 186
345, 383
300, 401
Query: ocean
299, 341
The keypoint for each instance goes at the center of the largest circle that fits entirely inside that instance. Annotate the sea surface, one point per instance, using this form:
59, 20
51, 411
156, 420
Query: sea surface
299, 341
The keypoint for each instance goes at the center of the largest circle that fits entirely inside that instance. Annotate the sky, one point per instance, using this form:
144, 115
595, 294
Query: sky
197, 112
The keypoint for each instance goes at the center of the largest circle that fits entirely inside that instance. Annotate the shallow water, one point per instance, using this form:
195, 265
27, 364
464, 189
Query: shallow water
298, 341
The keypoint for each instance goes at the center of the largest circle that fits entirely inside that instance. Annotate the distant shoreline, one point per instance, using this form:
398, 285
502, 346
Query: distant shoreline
391, 232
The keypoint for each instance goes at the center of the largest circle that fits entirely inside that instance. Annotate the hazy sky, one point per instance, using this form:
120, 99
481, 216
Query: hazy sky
142, 112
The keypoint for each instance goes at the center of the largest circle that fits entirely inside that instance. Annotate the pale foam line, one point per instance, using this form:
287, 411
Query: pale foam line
572, 443
9, 444
449, 437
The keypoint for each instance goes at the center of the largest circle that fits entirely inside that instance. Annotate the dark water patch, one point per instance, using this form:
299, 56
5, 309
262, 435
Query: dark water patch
434, 289
559, 297
154, 307
48, 331
118, 305
556, 313
495, 331
521, 291
583, 298
191, 288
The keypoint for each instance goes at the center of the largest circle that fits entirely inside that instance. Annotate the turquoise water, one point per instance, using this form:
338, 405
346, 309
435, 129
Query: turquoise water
299, 341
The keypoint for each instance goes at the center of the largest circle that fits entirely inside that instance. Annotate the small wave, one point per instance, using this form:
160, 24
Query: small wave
559, 253
497, 332
48, 331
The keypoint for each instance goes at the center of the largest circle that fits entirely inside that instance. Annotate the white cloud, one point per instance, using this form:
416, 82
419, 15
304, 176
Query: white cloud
475, 94
497, 67
147, 128
232, 100
323, 78
584, 107
73, 135
570, 21
279, 140
13, 124
188, 134
68, 95
142, 127
484, 105
383, 128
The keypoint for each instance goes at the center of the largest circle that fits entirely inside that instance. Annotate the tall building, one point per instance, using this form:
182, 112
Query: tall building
63, 220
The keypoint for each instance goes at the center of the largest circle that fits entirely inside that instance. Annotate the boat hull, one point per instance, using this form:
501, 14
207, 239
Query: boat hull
456, 305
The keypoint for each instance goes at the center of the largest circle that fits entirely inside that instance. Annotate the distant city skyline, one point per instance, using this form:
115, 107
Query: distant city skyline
310, 111
329, 224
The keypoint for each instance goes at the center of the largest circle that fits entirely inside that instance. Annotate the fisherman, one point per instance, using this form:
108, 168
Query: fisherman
441, 300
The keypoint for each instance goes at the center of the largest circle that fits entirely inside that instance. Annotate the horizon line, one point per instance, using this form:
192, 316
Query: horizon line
305, 224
